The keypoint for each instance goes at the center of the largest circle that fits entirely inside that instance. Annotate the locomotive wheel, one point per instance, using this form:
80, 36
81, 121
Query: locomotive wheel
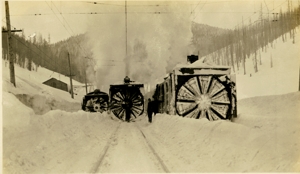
127, 98
203, 96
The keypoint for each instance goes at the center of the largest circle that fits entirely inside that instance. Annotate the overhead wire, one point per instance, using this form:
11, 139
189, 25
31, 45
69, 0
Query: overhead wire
101, 3
71, 30
133, 5
103, 13
65, 26
211, 2
266, 5
41, 52
36, 52
58, 19
33, 50
200, 9
86, 57
255, 14
195, 8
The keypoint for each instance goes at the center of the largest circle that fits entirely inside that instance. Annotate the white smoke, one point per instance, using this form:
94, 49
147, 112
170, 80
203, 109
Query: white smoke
158, 37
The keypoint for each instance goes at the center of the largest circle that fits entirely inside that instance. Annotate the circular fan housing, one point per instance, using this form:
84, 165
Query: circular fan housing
203, 96
129, 99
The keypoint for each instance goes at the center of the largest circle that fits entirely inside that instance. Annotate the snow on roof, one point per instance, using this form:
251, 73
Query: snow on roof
203, 63
131, 82
62, 78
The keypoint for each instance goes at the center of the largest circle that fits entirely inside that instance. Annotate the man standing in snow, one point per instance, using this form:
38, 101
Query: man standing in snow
150, 110
155, 106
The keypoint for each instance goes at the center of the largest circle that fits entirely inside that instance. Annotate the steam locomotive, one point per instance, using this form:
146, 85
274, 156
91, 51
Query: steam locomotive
125, 100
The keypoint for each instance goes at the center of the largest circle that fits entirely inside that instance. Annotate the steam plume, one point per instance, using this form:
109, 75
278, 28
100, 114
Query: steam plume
156, 41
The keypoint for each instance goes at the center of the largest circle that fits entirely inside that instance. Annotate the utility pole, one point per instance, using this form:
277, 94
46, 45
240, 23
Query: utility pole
85, 77
72, 95
10, 52
126, 58
85, 82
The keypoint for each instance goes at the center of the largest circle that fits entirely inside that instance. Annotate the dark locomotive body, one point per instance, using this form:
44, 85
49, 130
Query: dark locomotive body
125, 100
198, 91
96, 101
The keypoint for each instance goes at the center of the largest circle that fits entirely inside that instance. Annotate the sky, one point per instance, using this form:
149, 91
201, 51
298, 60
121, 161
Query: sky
160, 30
62, 19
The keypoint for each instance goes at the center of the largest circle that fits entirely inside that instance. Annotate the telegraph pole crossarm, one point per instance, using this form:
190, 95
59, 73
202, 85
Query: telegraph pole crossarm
12, 31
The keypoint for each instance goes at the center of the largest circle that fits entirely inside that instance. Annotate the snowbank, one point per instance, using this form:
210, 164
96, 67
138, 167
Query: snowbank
15, 113
260, 140
56, 142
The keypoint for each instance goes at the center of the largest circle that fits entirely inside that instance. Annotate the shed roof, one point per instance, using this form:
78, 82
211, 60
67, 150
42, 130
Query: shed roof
54, 79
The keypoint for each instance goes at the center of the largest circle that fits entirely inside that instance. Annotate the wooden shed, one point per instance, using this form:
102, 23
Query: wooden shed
53, 82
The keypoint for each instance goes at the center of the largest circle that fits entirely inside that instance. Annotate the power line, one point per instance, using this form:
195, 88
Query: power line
58, 18
200, 9
195, 8
266, 5
71, 30
256, 13
132, 5
41, 52
104, 13
33, 50
101, 3
21, 41
85, 52
156, 5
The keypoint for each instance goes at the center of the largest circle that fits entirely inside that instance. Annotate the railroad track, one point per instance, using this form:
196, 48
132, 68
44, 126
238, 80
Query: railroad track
166, 170
129, 150
104, 151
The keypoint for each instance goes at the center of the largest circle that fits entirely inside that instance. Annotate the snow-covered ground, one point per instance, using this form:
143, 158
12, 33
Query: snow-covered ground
44, 130
282, 78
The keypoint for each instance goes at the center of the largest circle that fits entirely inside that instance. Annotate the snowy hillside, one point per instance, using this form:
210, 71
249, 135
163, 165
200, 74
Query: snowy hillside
44, 130
282, 78
278, 70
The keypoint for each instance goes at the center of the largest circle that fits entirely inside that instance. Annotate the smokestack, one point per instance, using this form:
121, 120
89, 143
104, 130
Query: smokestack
192, 58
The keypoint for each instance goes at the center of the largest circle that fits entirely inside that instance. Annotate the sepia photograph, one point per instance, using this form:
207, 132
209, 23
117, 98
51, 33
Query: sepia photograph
150, 86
